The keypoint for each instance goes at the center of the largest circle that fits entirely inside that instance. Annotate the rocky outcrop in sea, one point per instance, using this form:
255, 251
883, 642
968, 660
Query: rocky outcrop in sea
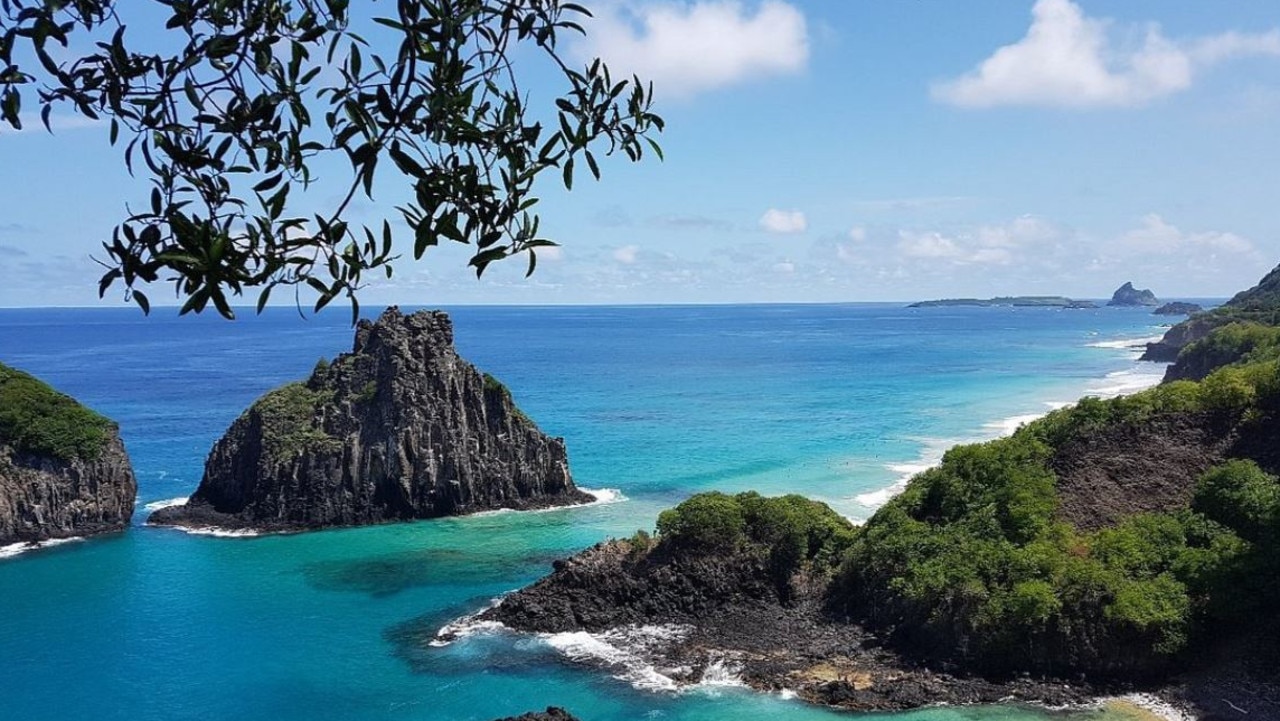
1178, 308
1128, 296
64, 472
400, 428
552, 713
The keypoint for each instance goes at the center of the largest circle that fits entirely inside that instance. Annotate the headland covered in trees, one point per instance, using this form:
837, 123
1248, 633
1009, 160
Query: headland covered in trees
1111, 546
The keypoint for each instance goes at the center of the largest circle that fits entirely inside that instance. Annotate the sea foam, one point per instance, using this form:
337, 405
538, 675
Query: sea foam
216, 532
15, 549
1139, 344
468, 625
622, 651
166, 503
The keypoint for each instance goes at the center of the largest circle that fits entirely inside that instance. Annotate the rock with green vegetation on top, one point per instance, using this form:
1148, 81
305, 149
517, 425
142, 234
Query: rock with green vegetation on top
64, 471
401, 428
1259, 304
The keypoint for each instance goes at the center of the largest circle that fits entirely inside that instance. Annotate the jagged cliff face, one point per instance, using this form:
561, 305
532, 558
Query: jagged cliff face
43, 497
401, 428
63, 468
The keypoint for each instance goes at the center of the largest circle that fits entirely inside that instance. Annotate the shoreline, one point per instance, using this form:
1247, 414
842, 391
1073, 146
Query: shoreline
1117, 383
602, 496
13, 550
632, 655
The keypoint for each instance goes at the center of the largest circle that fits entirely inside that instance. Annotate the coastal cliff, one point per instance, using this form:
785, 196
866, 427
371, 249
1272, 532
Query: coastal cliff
1178, 307
64, 471
1259, 304
1129, 544
750, 598
400, 428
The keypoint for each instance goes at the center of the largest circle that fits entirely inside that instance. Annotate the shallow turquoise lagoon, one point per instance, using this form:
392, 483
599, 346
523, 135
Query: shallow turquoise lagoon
656, 403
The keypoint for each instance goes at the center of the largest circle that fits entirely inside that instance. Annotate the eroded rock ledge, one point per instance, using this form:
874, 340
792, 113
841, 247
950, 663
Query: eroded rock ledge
733, 613
400, 428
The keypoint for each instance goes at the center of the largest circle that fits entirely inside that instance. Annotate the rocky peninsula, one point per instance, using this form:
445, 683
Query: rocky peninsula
1259, 305
1111, 547
401, 428
64, 472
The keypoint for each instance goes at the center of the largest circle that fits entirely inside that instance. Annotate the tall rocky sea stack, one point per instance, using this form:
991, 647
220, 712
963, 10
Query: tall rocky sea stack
1128, 296
63, 468
400, 428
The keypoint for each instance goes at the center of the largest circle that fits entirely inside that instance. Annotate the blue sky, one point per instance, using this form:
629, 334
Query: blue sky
839, 151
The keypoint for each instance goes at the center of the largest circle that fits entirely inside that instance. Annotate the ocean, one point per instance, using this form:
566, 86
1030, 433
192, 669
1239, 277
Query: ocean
837, 402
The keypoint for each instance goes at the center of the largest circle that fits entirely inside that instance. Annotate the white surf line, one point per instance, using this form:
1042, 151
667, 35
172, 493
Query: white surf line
602, 496
1154, 704
17, 549
621, 650
468, 625
166, 503
1141, 376
218, 532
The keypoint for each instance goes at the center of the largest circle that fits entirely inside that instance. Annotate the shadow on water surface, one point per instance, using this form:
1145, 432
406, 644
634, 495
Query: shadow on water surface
387, 575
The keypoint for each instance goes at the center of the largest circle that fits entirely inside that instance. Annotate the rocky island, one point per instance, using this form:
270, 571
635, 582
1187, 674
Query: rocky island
1178, 308
1018, 301
1126, 296
64, 472
1114, 546
401, 428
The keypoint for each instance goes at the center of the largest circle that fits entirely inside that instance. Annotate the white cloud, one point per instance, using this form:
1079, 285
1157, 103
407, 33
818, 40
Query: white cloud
1067, 60
626, 254
785, 222
927, 245
1021, 240
1232, 45
689, 48
551, 252
857, 233
784, 267
1157, 237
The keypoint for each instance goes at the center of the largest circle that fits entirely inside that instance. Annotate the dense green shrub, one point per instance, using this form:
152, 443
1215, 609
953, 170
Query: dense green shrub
288, 418
969, 562
36, 419
708, 521
793, 531
1236, 342
1240, 495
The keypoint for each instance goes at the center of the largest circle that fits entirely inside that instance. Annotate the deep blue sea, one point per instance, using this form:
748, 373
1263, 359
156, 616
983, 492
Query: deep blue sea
838, 402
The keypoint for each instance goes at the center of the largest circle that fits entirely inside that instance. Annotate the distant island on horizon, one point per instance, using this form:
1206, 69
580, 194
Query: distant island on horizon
1046, 301
1125, 296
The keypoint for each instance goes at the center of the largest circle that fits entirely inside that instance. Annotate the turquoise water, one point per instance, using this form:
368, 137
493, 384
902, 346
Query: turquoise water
656, 403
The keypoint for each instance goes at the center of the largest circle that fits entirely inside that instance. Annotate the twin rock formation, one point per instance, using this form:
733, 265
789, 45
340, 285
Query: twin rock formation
400, 428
